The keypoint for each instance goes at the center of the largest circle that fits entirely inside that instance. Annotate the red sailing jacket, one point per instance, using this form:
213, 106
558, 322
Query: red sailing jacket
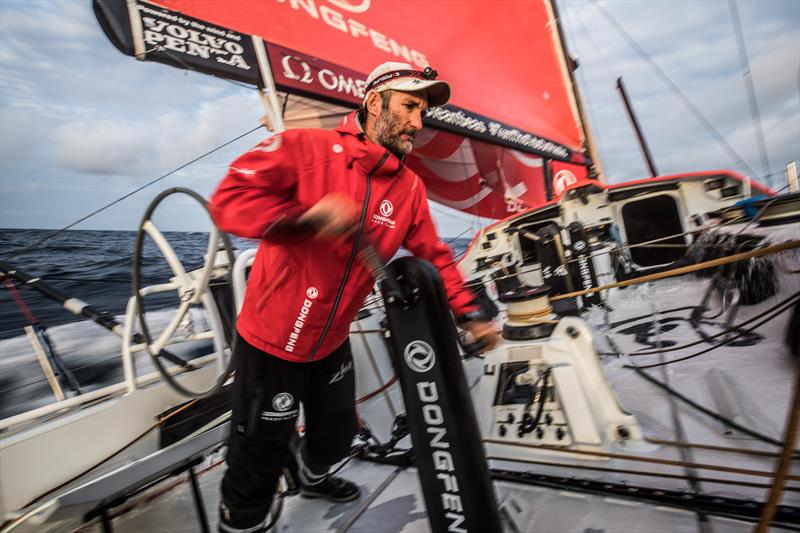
303, 293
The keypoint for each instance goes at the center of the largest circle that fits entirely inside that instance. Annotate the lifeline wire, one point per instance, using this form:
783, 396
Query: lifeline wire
675, 89
46, 238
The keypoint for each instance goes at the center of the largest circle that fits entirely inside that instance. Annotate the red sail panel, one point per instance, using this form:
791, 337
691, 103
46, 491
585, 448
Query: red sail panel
478, 177
500, 57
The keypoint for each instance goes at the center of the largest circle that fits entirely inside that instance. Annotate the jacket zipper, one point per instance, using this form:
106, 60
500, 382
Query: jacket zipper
353, 253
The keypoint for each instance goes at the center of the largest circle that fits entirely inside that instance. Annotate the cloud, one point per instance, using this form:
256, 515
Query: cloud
81, 124
141, 148
694, 44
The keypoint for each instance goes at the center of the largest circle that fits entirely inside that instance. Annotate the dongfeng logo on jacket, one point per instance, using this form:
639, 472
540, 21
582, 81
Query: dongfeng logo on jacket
300, 321
385, 210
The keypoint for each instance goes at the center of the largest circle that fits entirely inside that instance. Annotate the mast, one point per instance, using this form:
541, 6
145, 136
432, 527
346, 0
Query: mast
568, 67
648, 157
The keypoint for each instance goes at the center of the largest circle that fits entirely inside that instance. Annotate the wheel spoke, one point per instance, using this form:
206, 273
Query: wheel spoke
169, 331
192, 289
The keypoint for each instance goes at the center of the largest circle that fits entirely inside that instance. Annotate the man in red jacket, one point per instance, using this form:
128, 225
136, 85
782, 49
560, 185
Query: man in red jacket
304, 292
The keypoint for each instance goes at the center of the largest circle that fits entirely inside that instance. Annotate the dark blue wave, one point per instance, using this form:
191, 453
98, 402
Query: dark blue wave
95, 266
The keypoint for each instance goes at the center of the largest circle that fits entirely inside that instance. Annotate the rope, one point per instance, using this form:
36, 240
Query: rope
778, 310
775, 248
537, 314
781, 473
377, 391
732, 329
642, 473
668, 462
726, 449
703, 410
20, 301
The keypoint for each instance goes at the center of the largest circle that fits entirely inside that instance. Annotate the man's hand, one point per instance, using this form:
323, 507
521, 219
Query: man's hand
483, 331
336, 215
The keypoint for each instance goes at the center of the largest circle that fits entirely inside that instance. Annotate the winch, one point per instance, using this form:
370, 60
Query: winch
544, 385
529, 313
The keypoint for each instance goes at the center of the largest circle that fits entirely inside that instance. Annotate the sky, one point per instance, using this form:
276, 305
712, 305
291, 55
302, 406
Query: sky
81, 124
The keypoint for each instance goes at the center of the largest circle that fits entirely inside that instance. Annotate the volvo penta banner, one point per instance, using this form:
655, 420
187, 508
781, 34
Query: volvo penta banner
151, 32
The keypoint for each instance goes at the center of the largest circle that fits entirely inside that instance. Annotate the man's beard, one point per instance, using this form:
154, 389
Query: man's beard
388, 132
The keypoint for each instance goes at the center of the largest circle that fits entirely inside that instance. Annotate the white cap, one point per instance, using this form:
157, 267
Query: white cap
404, 77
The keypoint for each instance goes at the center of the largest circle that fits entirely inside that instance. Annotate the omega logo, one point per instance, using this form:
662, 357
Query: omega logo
291, 74
419, 356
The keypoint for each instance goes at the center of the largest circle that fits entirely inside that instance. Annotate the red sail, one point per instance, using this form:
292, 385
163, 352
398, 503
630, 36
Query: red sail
511, 113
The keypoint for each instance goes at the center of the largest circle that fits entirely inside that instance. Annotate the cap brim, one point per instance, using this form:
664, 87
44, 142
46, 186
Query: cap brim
438, 90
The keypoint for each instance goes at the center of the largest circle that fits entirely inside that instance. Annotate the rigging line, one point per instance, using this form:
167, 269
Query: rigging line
758, 252
582, 77
313, 104
675, 89
640, 473
640, 458
776, 313
46, 238
783, 467
379, 390
788, 301
97, 280
726, 449
372, 303
678, 427
705, 411
190, 68
453, 239
647, 244
708, 412
451, 215
686, 454
747, 74
760, 213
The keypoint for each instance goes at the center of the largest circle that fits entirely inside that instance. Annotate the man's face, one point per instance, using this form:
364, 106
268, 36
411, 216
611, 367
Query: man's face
399, 121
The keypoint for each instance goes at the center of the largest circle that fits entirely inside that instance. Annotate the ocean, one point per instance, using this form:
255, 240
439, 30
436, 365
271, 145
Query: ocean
96, 266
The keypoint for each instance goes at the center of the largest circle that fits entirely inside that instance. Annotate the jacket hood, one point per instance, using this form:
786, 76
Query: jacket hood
365, 153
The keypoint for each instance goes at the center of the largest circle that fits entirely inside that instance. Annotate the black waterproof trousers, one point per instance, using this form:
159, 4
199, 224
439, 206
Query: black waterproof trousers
267, 393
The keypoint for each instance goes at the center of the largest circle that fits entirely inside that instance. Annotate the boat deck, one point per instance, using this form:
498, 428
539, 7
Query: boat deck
392, 502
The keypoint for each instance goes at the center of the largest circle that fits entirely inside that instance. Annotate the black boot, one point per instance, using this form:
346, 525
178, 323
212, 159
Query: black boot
332, 488
320, 485
242, 522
